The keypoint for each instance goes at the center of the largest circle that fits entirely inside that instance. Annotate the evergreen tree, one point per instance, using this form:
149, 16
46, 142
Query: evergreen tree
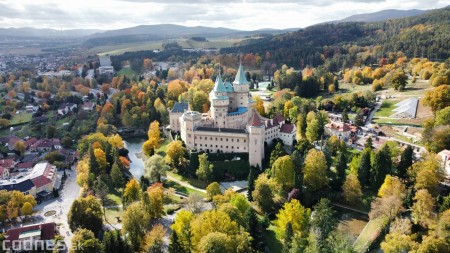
288, 236
94, 167
405, 161
175, 245
382, 164
364, 169
326, 151
250, 184
336, 84
254, 228
116, 176
344, 116
341, 166
369, 143
276, 153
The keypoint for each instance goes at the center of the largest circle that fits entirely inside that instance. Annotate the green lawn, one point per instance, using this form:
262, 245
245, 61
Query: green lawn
192, 181
23, 117
162, 149
369, 234
386, 108
112, 214
271, 240
180, 188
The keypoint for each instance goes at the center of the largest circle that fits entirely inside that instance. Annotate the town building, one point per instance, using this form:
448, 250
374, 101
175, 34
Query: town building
30, 236
231, 125
65, 108
445, 156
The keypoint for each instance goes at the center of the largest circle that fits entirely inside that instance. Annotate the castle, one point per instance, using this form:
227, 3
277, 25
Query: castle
231, 125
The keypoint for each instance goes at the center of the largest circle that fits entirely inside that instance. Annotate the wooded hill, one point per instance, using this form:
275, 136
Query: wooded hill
420, 36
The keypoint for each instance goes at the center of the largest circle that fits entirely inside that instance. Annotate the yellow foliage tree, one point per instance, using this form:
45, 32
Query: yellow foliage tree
116, 141
132, 191
297, 215
100, 156
154, 137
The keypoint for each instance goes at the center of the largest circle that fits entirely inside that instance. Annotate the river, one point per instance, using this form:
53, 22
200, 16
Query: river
134, 146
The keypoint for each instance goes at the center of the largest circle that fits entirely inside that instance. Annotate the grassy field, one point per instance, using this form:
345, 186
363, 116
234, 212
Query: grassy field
23, 117
351, 223
386, 108
152, 45
162, 149
369, 234
192, 181
179, 188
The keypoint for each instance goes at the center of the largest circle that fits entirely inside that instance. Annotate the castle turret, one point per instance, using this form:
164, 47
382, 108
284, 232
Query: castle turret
241, 88
188, 122
256, 132
219, 103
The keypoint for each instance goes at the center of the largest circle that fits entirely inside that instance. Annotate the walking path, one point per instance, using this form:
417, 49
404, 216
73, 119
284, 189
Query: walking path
182, 183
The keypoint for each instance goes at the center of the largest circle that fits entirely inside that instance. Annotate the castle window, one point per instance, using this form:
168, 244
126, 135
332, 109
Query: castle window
220, 139
245, 140
216, 146
237, 140
226, 146
210, 138
216, 138
232, 147
221, 146
227, 139
238, 147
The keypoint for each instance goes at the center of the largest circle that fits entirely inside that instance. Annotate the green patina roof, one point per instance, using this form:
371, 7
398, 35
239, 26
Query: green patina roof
240, 76
219, 86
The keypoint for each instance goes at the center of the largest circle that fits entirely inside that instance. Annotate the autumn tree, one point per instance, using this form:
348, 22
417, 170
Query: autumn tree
205, 168
212, 190
283, 172
351, 189
135, 224
156, 197
175, 154
86, 242
265, 193
259, 105
100, 157
155, 168
438, 98
399, 80
154, 240
422, 209
182, 227
86, 213
154, 138
294, 213
132, 191
20, 147
315, 171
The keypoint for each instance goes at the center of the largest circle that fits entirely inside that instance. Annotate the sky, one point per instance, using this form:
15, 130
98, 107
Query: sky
236, 14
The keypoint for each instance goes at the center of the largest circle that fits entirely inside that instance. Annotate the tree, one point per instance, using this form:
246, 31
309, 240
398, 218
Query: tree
315, 171
405, 161
182, 226
209, 222
301, 126
445, 204
288, 236
113, 242
205, 168
135, 224
195, 203
396, 242
20, 147
399, 80
341, 167
365, 166
427, 174
382, 165
155, 168
212, 190
254, 227
175, 153
154, 138
265, 193
392, 186
259, 105
438, 98
250, 184
117, 179
215, 242
283, 172
84, 241
442, 117
175, 245
422, 209
323, 219
153, 241
86, 213
132, 191
100, 157
27, 209
294, 213
345, 116
116, 141
277, 152
156, 197
352, 189
312, 130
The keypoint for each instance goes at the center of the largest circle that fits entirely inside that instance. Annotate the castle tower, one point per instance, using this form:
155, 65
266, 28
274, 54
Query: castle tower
256, 132
241, 88
188, 121
219, 103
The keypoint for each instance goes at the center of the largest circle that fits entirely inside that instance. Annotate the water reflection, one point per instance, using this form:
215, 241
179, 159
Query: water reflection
134, 145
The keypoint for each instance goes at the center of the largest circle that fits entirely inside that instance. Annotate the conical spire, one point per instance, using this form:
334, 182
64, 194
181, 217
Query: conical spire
219, 86
240, 76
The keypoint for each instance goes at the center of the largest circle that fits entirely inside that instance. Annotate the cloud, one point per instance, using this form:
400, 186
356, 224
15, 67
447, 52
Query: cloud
238, 14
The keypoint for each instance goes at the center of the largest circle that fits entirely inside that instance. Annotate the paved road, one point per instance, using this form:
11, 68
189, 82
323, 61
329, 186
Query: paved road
62, 205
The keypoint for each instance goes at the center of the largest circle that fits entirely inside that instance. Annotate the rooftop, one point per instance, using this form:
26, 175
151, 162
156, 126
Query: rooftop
240, 110
240, 76
223, 130
179, 107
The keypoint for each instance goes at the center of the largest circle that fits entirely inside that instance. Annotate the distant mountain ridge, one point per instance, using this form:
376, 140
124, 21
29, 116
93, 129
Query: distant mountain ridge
46, 32
381, 15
